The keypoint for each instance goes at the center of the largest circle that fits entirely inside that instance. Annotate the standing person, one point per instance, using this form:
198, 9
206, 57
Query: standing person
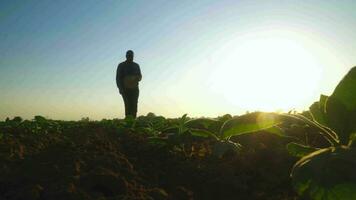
128, 75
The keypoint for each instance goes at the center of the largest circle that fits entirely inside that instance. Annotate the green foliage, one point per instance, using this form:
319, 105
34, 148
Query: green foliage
151, 124
204, 123
317, 110
130, 122
17, 119
222, 148
352, 140
338, 112
224, 118
326, 132
182, 128
329, 173
204, 127
299, 150
319, 174
343, 106
345, 90
338, 119
40, 119
250, 123
203, 133
186, 130
157, 141
326, 174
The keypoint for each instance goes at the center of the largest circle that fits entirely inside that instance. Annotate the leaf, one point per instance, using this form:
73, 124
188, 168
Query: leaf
276, 130
352, 140
172, 129
221, 148
224, 118
183, 119
322, 101
326, 174
249, 123
202, 123
352, 121
338, 119
299, 150
129, 121
40, 119
345, 91
157, 141
317, 109
202, 133
205, 123
182, 128
328, 134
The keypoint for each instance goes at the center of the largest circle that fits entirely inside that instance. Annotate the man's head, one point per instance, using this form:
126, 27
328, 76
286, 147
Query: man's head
129, 55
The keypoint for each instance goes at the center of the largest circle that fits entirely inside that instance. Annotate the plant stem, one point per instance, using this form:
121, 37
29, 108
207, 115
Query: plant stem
324, 131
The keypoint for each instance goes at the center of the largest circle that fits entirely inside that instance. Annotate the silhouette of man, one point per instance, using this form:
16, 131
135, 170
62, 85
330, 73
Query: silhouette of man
128, 75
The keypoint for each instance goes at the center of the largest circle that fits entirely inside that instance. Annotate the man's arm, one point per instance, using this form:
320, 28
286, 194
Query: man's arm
139, 73
118, 78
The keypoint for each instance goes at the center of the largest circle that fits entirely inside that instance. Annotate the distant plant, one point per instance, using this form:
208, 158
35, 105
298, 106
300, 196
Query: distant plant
39, 118
183, 133
224, 118
84, 119
151, 115
17, 119
151, 124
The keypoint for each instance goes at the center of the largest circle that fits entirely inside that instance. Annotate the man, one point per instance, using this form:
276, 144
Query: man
128, 75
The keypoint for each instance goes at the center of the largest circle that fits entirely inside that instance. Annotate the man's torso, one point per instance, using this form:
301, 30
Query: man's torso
129, 72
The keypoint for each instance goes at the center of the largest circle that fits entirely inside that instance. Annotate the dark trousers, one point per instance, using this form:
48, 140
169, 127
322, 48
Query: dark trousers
130, 100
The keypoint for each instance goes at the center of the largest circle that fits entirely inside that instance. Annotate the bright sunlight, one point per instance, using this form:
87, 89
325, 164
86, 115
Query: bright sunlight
268, 71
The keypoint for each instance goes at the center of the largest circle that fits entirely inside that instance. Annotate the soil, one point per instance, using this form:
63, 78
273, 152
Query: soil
98, 162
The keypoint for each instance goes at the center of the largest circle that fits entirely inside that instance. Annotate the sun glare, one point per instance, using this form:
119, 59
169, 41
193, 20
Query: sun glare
266, 72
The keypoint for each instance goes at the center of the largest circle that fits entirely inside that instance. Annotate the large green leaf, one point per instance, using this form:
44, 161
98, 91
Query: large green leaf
249, 123
345, 91
338, 111
202, 133
277, 131
327, 174
338, 118
352, 121
317, 109
299, 150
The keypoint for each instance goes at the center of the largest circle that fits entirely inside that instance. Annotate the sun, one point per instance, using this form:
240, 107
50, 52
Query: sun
266, 72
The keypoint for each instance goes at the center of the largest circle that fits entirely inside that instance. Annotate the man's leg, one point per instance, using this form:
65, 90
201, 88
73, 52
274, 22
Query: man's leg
132, 99
126, 103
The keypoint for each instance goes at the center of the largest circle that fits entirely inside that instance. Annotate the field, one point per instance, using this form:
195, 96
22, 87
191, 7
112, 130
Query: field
309, 155
111, 160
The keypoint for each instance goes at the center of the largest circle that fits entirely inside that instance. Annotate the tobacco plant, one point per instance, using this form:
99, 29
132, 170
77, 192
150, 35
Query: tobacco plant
321, 174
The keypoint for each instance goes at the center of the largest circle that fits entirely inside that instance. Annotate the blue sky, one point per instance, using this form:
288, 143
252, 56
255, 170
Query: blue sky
58, 58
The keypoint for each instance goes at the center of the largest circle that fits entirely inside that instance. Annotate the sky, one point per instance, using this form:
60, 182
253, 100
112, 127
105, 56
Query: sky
58, 59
